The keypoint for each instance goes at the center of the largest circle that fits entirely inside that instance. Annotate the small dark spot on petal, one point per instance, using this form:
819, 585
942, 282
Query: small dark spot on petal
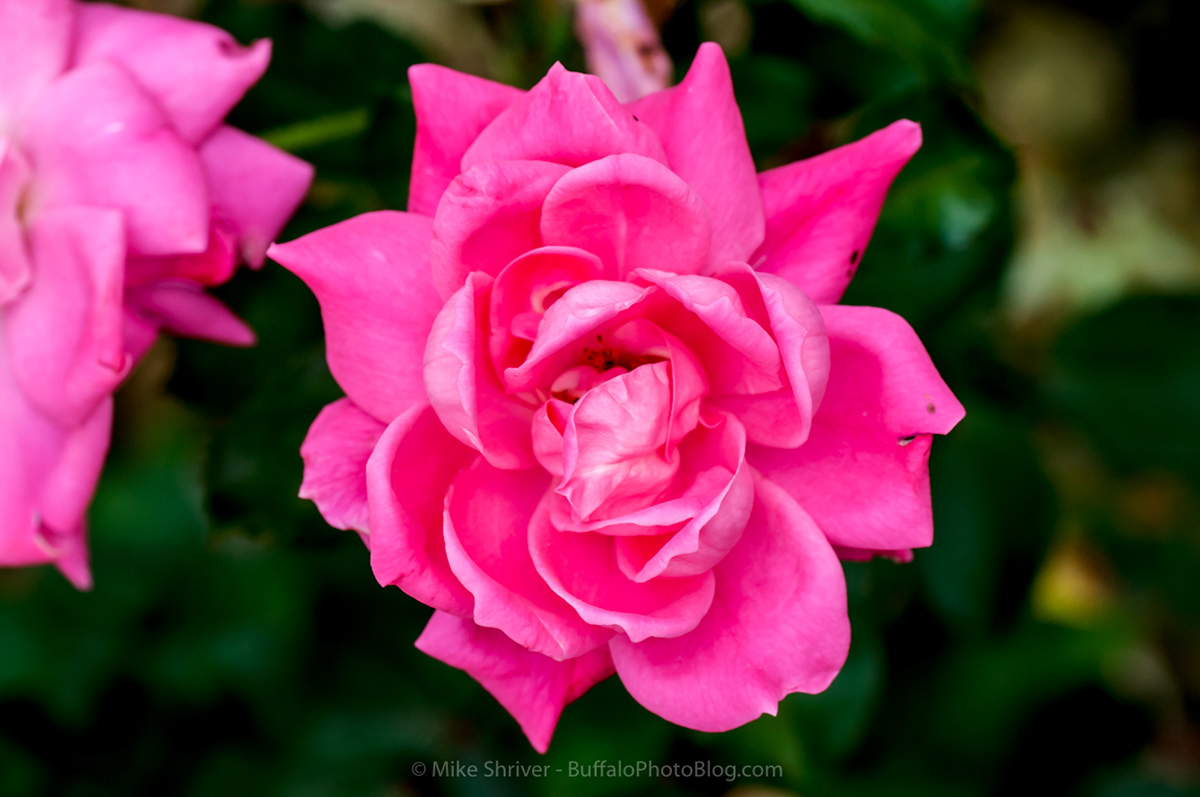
854, 257
930, 407
599, 338
635, 118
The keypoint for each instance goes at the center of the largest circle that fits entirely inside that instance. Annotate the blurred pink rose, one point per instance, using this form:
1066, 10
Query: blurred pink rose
122, 196
603, 411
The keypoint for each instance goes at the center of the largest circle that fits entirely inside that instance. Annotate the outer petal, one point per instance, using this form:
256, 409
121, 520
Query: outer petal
632, 212
701, 131
862, 474
534, 688
465, 390
195, 72
335, 455
567, 118
50, 474
821, 211
582, 569
452, 110
622, 47
65, 332
96, 138
487, 217
14, 259
408, 476
487, 520
35, 37
254, 188
777, 625
184, 308
371, 276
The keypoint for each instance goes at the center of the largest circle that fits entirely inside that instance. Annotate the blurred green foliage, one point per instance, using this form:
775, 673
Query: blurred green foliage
1046, 643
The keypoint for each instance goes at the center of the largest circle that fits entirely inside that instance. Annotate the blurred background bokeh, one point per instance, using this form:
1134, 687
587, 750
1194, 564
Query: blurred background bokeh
1045, 244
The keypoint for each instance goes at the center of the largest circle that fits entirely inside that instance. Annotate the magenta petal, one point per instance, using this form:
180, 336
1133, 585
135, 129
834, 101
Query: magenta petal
700, 127
184, 308
782, 418
532, 687
567, 118
195, 72
777, 625
335, 453
487, 519
863, 474
632, 212
821, 211
463, 387
408, 475
582, 569
35, 39
96, 138
45, 490
65, 332
14, 259
254, 188
452, 109
371, 276
487, 217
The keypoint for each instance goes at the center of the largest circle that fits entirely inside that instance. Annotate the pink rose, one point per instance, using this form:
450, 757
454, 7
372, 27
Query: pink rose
602, 410
122, 196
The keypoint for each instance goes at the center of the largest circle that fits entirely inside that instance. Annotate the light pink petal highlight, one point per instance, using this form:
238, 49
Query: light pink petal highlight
335, 453
371, 276
463, 387
863, 474
777, 625
35, 40
452, 110
821, 211
195, 72
701, 130
534, 688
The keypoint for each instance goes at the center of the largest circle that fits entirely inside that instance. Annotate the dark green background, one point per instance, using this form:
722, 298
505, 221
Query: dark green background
235, 644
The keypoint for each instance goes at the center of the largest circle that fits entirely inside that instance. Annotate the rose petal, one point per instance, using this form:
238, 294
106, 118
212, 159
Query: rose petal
14, 259
715, 163
488, 216
254, 188
335, 453
195, 72
487, 522
408, 475
96, 138
371, 276
452, 110
821, 211
534, 688
65, 332
777, 625
184, 308
567, 118
782, 418
465, 390
632, 212
35, 39
582, 569
862, 475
